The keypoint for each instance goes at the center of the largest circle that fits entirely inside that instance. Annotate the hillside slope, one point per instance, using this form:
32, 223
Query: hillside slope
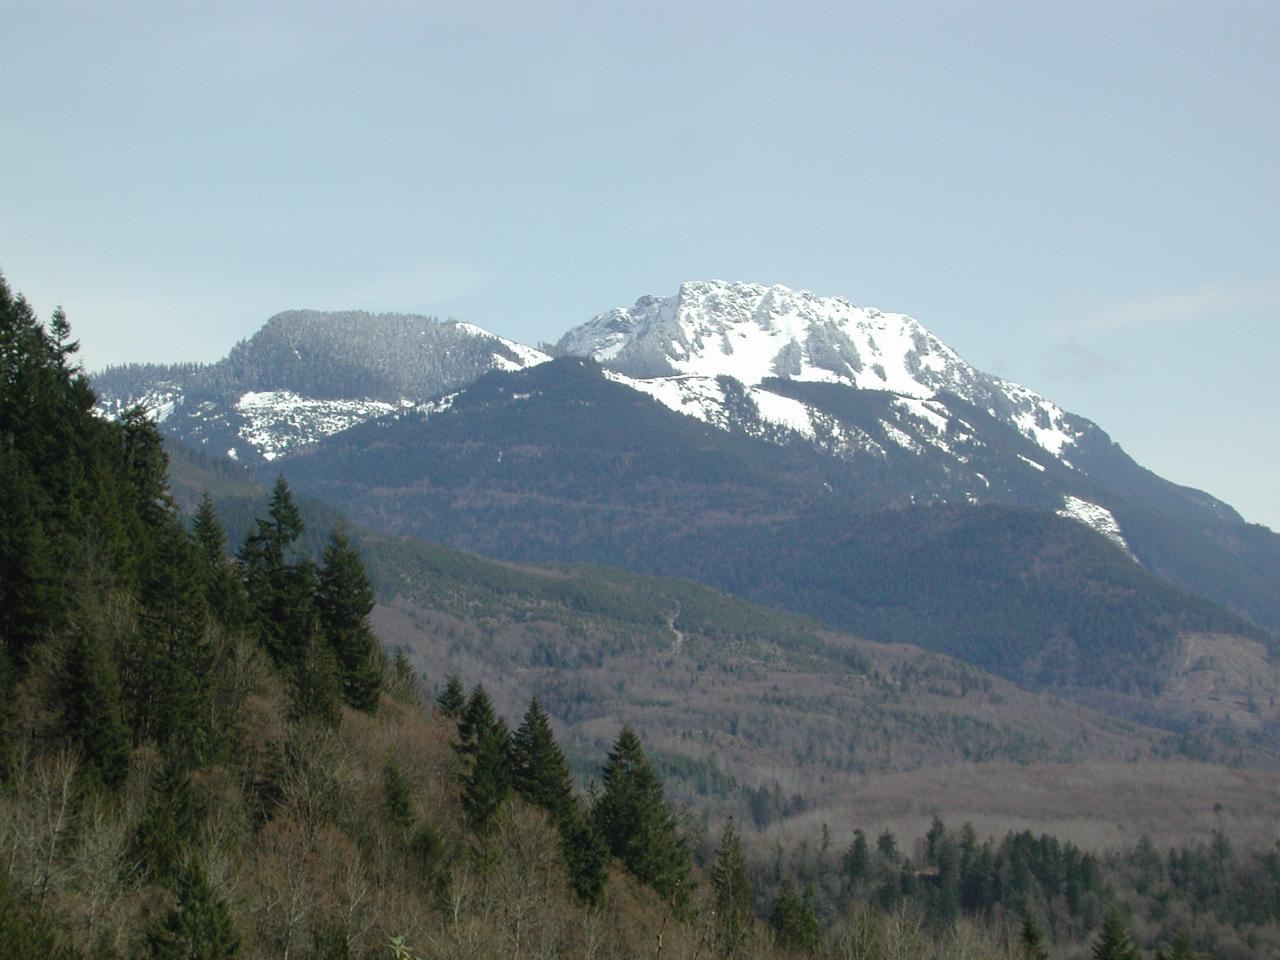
561, 463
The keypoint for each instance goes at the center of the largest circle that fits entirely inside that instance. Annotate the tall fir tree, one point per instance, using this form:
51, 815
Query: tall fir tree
586, 855
170, 680
453, 698
169, 824
1179, 949
223, 591
856, 865
1031, 940
484, 744
92, 714
28, 597
638, 823
735, 905
281, 590
317, 683
396, 797
344, 600
794, 920
198, 927
1113, 941
539, 771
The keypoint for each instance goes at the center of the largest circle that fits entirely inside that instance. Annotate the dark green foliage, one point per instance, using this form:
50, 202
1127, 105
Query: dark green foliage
223, 591
586, 855
25, 932
198, 927
453, 698
280, 591
92, 713
396, 797
344, 600
427, 849
887, 846
735, 908
168, 681
857, 860
1179, 949
145, 467
637, 822
317, 687
794, 921
168, 827
484, 743
539, 772
1031, 941
1113, 941
283, 610
28, 593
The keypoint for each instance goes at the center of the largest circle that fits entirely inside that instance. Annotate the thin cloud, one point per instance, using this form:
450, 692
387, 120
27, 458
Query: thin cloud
1178, 309
415, 288
1073, 360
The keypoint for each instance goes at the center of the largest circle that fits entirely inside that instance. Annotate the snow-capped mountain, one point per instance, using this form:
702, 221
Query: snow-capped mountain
869, 408
307, 375
754, 333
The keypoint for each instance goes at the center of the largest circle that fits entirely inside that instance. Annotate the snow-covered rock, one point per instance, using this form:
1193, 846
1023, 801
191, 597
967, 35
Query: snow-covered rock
753, 332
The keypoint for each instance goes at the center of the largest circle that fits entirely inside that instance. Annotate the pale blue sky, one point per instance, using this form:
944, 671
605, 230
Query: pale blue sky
1082, 197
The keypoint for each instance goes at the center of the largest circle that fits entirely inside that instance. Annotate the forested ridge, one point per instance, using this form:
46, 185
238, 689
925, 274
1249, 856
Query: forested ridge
205, 753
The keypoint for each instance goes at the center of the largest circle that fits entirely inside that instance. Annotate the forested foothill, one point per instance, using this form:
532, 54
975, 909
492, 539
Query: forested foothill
205, 753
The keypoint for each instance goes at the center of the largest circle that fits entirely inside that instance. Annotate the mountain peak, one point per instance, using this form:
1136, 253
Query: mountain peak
751, 331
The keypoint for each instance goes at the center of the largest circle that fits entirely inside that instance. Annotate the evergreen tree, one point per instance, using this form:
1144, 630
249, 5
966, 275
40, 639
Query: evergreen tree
887, 845
586, 855
223, 591
26, 933
198, 927
484, 745
857, 860
317, 684
169, 679
1179, 949
280, 592
92, 714
344, 600
735, 908
29, 601
539, 771
170, 822
146, 467
1113, 940
453, 699
794, 921
1031, 941
637, 823
396, 797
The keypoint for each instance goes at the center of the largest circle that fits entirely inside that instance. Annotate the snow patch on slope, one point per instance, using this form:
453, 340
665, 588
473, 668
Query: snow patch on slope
1097, 517
278, 421
159, 403
525, 356
704, 398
